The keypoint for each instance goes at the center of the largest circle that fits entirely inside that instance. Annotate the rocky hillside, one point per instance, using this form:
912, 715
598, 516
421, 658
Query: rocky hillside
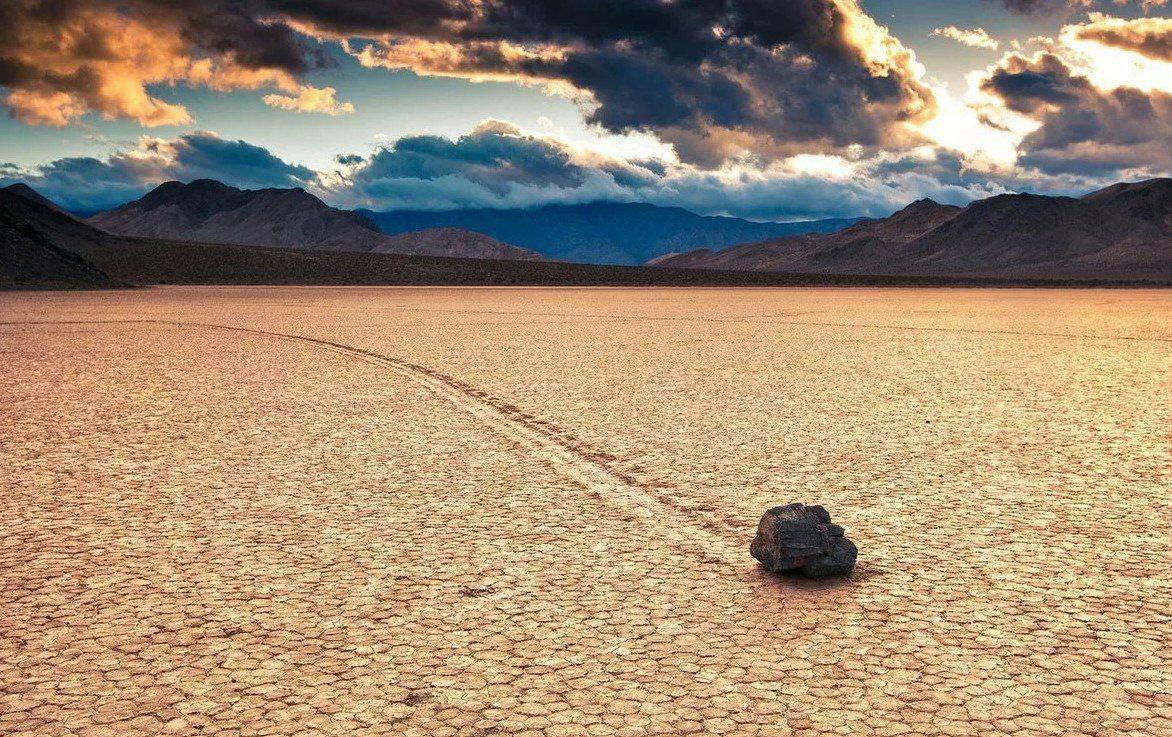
1122, 232
453, 242
33, 245
208, 211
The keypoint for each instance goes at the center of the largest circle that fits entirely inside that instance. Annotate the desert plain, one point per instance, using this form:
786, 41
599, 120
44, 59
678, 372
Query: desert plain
413, 511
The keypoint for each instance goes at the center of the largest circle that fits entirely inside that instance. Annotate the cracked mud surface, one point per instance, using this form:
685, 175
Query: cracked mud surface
527, 512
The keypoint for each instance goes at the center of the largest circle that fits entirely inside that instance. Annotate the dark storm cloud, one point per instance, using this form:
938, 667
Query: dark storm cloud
712, 77
1028, 85
205, 155
84, 184
1037, 7
374, 17
227, 28
500, 166
493, 153
1084, 130
717, 77
87, 183
495, 165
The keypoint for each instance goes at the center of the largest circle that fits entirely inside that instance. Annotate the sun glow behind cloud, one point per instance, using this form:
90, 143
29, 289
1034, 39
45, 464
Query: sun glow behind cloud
1111, 67
960, 125
835, 167
990, 134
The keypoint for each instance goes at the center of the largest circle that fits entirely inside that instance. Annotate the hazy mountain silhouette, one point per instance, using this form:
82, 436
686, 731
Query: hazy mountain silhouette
1121, 232
212, 212
601, 232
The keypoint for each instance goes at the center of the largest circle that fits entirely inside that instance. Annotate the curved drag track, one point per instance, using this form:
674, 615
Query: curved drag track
571, 456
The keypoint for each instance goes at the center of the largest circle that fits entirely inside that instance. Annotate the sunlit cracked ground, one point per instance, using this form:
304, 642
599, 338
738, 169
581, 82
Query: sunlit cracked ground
527, 512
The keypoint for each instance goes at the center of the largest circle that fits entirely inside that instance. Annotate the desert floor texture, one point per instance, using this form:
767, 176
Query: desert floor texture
279, 511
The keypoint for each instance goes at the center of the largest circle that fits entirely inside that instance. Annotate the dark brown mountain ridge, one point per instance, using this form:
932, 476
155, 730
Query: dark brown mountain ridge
212, 212
42, 246
35, 240
1121, 232
45, 248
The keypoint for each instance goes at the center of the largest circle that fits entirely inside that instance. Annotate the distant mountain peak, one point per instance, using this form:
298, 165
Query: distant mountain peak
1121, 232
196, 184
175, 187
1160, 189
23, 190
210, 211
212, 188
923, 202
20, 189
925, 205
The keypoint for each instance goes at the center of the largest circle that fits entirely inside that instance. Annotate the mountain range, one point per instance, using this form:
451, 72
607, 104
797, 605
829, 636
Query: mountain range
1123, 232
41, 246
212, 212
601, 232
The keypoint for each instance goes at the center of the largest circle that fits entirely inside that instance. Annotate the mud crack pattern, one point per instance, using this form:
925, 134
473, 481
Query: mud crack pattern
473, 512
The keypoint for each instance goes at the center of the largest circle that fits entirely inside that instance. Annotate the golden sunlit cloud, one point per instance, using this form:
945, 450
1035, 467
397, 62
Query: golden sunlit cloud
1116, 52
48, 107
742, 81
68, 76
975, 37
99, 59
311, 100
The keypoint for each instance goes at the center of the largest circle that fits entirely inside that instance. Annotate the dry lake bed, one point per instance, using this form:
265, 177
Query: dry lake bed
261, 511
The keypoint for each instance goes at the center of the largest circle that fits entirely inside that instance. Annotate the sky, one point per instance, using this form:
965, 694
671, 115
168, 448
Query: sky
765, 109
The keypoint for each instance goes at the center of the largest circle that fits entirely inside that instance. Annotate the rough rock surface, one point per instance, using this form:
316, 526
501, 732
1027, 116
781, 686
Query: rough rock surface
795, 537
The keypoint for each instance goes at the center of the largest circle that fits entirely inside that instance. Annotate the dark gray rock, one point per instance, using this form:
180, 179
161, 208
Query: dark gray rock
800, 538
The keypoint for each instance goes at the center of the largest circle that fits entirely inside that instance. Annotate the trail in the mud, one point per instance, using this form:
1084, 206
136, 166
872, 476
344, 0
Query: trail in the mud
571, 456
